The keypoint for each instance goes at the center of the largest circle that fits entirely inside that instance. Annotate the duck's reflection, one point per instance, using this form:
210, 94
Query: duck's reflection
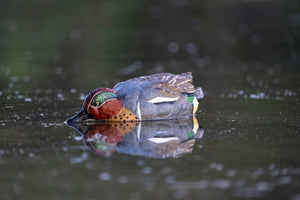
158, 139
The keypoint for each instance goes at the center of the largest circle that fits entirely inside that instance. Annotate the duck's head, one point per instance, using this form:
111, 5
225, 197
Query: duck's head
99, 104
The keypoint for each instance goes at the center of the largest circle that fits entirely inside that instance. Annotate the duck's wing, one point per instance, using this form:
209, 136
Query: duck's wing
159, 88
166, 87
159, 96
181, 83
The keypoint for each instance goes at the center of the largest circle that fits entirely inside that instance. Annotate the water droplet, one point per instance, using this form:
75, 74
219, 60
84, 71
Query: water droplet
200, 62
105, 176
170, 179
31, 155
241, 92
231, 173
81, 96
78, 138
216, 166
257, 173
73, 90
21, 151
173, 47
60, 96
263, 186
147, 170
192, 48
27, 99
272, 166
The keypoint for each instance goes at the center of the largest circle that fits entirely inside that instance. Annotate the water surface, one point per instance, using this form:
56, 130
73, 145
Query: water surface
246, 58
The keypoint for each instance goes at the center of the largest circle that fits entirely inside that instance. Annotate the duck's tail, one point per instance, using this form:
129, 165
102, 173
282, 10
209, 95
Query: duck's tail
199, 94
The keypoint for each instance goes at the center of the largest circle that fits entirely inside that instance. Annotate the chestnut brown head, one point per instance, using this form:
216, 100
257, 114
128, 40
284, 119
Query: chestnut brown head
99, 104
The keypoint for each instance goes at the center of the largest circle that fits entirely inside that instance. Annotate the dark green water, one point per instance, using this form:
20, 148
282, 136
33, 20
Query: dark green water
244, 54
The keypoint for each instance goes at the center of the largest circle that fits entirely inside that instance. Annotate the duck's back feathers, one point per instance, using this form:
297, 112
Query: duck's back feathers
181, 83
159, 96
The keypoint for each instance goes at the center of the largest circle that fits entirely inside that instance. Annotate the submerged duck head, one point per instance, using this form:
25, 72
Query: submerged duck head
155, 97
99, 104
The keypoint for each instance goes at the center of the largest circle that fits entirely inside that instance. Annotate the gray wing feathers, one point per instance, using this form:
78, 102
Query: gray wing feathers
165, 89
174, 83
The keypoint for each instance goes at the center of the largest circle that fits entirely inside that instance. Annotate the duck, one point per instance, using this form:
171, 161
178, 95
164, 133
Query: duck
160, 96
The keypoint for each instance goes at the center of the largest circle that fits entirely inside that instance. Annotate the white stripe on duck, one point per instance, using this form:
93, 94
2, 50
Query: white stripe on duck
163, 99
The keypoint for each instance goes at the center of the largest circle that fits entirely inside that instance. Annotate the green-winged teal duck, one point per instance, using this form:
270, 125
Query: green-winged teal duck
156, 97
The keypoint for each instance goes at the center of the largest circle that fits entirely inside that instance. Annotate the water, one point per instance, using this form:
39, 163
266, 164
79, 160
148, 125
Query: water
247, 143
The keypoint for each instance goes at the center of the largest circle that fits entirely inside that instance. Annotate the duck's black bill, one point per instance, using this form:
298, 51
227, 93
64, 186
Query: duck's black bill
81, 116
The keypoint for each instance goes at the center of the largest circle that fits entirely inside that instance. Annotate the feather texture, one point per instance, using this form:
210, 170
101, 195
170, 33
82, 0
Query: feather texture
159, 96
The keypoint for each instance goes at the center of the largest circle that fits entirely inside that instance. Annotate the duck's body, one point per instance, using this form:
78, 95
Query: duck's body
156, 97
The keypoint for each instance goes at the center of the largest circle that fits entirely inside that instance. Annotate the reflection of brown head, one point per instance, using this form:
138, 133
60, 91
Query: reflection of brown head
105, 132
102, 138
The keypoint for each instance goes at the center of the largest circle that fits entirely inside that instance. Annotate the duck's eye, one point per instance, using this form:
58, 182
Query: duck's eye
102, 97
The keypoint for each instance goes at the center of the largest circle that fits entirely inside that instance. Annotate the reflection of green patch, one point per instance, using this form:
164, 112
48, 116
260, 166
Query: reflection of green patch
101, 146
191, 134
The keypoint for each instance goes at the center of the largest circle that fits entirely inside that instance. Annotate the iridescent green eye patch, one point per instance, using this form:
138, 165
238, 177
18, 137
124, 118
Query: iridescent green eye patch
102, 97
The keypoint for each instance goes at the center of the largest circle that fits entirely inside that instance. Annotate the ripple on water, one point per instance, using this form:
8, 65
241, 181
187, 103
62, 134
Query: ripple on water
258, 172
166, 170
147, 170
284, 180
123, 179
231, 173
263, 187
223, 184
140, 163
216, 166
278, 95
80, 159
